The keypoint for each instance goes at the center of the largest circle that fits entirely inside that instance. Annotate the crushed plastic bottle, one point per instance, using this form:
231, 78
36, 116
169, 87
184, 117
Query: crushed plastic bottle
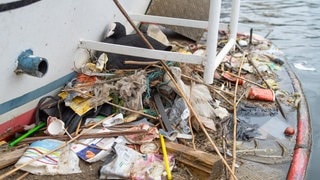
179, 115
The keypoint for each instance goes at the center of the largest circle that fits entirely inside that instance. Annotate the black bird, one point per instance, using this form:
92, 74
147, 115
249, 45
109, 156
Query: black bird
116, 34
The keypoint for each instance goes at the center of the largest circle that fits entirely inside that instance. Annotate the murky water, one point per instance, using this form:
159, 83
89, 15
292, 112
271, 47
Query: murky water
295, 27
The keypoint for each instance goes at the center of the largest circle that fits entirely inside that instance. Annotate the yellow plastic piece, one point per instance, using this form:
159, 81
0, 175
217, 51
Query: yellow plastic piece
165, 158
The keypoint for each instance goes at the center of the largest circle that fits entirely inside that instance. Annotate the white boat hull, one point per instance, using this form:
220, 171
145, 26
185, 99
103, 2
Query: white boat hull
52, 30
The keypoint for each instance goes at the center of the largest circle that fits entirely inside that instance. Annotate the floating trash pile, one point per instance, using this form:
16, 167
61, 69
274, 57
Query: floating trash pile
118, 108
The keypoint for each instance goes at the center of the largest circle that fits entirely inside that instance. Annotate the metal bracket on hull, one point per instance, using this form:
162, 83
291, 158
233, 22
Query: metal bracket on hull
141, 52
31, 64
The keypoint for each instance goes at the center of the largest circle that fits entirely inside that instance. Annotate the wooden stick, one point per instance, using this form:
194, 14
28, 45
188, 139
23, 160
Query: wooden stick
176, 85
193, 139
234, 150
240, 98
247, 80
131, 110
23, 176
158, 113
208, 85
211, 88
141, 62
224, 98
260, 75
78, 127
55, 149
84, 136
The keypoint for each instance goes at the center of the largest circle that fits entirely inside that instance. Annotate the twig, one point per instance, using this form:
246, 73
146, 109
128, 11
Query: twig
247, 80
140, 62
158, 113
269, 87
78, 127
234, 153
23, 176
224, 97
131, 110
224, 149
211, 88
193, 139
85, 136
240, 98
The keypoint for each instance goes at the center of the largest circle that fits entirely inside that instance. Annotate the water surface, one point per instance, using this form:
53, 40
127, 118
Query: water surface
295, 29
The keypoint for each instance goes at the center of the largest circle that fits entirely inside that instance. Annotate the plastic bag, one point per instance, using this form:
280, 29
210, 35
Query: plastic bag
62, 161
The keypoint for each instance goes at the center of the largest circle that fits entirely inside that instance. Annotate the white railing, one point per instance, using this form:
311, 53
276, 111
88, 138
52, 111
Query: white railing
212, 60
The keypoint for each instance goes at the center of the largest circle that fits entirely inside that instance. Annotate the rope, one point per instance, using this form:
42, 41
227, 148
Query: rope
152, 76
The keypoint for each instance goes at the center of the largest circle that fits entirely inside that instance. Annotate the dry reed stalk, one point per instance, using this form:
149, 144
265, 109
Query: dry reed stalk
23, 176
193, 139
247, 80
235, 103
131, 110
214, 89
269, 87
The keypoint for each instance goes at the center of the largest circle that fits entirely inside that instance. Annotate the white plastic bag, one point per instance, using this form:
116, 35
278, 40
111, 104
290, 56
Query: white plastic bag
120, 166
62, 161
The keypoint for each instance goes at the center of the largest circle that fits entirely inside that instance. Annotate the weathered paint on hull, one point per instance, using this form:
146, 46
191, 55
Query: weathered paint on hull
302, 149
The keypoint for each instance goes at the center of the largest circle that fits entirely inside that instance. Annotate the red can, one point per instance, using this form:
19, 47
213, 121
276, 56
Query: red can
261, 94
231, 78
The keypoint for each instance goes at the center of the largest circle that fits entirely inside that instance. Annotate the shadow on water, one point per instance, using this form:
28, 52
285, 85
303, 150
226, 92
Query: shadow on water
294, 27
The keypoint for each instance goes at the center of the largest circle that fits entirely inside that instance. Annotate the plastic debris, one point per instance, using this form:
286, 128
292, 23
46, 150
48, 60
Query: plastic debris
102, 61
149, 148
243, 43
55, 126
231, 78
78, 104
221, 112
289, 131
93, 150
248, 67
118, 164
179, 114
151, 166
272, 83
155, 32
261, 94
152, 132
118, 119
200, 97
63, 161
245, 131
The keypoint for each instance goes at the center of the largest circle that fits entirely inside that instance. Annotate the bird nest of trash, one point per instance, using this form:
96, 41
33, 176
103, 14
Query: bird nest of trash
141, 118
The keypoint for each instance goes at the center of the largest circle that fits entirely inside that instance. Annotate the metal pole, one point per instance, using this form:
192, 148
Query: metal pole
212, 40
223, 52
234, 19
